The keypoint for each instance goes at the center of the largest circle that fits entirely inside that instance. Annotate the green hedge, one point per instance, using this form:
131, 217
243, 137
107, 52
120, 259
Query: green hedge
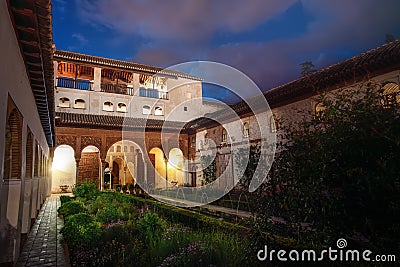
71, 208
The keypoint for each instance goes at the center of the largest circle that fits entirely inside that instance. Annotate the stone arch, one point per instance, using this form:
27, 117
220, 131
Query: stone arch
89, 168
13, 145
127, 173
156, 172
176, 167
29, 154
63, 167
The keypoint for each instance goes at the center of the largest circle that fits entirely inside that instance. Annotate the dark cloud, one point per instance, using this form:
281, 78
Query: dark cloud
181, 31
187, 20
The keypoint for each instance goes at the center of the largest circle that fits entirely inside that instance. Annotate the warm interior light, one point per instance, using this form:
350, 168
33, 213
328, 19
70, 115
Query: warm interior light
63, 159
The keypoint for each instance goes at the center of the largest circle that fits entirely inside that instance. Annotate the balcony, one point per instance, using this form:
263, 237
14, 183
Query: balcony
116, 89
153, 93
74, 83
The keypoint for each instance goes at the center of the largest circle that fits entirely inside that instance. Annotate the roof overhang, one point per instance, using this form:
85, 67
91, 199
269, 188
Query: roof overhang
33, 29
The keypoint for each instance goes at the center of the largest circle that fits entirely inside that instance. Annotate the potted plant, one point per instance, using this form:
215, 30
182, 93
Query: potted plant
124, 188
131, 188
118, 188
137, 189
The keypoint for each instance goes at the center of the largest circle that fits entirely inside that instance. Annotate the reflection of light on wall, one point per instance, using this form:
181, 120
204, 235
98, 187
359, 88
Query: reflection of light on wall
63, 159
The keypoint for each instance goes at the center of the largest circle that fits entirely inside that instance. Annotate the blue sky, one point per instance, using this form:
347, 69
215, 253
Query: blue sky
265, 39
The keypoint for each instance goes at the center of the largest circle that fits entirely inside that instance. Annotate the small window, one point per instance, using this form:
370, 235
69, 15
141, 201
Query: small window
390, 94
132, 149
118, 148
64, 102
79, 103
246, 130
319, 110
108, 106
112, 149
184, 108
206, 139
224, 136
193, 142
122, 107
125, 149
146, 110
158, 111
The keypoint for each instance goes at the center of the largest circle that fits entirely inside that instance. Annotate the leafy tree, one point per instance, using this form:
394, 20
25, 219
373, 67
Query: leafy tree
339, 175
307, 68
209, 166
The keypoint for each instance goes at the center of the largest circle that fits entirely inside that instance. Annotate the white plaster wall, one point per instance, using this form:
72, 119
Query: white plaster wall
14, 82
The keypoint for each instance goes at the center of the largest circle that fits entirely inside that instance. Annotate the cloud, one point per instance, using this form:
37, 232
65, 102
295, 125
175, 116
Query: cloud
179, 31
82, 41
183, 20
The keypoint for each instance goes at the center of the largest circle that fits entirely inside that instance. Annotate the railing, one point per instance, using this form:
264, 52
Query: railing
152, 93
80, 84
116, 89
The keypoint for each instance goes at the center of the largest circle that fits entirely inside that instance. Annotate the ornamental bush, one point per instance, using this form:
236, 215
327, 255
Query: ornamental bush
86, 190
64, 199
81, 231
71, 208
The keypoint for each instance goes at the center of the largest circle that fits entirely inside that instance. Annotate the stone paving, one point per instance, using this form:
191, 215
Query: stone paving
43, 246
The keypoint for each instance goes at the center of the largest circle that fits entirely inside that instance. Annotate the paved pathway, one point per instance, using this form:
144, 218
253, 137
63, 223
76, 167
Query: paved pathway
43, 246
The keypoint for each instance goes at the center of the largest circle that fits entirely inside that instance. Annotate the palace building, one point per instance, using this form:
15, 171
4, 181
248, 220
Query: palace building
68, 117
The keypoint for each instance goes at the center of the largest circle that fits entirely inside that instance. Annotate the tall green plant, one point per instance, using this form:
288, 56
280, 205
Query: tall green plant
340, 173
209, 166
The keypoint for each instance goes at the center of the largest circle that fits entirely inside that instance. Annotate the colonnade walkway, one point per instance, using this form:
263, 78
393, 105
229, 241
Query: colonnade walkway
43, 245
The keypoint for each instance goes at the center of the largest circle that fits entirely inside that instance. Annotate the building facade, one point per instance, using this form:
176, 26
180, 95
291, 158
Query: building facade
26, 119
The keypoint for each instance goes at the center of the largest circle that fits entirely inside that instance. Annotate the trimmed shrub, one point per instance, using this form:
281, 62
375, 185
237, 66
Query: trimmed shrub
65, 199
81, 231
86, 190
71, 208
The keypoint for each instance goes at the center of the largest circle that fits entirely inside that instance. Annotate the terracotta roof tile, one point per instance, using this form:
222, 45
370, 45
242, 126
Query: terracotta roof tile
114, 122
119, 64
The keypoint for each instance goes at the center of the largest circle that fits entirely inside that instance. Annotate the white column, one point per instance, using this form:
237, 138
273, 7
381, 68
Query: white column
97, 79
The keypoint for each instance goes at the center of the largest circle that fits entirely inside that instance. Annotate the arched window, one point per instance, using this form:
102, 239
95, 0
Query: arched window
112, 149
390, 94
158, 111
246, 130
319, 111
118, 148
64, 102
224, 135
193, 142
13, 146
29, 154
206, 139
122, 107
132, 149
125, 149
108, 106
146, 110
79, 103
37, 156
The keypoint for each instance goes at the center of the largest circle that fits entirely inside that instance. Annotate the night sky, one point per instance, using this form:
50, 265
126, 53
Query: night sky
265, 39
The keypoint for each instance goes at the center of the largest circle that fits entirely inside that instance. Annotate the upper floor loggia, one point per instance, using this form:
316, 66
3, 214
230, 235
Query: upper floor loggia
91, 73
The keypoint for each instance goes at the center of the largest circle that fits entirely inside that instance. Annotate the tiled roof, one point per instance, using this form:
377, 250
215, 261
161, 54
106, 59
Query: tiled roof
118, 64
367, 65
32, 25
114, 122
